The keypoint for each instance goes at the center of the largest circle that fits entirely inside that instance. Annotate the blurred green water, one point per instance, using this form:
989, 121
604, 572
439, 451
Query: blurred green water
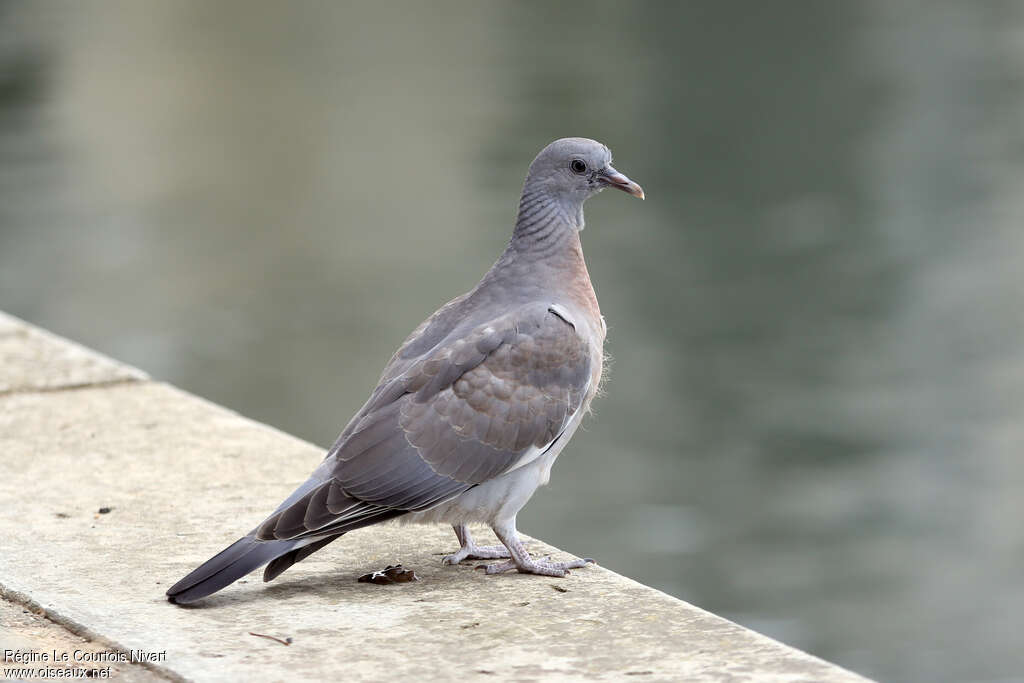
813, 422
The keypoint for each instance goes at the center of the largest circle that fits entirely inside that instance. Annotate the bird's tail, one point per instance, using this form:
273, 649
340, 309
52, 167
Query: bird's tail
229, 565
280, 564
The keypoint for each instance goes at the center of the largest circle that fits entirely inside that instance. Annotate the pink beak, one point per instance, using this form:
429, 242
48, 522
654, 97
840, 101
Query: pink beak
612, 178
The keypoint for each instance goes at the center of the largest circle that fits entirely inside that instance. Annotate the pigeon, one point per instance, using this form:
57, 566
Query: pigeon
474, 407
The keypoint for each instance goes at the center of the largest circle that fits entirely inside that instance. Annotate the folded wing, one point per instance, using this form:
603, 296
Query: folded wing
472, 407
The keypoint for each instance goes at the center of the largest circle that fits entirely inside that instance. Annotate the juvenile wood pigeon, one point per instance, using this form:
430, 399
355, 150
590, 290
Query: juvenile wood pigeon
472, 410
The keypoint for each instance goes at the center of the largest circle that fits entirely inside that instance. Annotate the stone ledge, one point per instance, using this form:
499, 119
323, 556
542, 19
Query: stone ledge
184, 477
24, 628
32, 359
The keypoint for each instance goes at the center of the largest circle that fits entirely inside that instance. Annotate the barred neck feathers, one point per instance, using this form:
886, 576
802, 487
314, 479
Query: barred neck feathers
545, 252
544, 224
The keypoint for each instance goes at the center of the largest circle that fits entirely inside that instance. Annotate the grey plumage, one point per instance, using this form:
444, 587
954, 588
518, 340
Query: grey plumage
473, 408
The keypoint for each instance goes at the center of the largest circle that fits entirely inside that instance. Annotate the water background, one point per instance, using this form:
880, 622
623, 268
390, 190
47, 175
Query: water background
813, 424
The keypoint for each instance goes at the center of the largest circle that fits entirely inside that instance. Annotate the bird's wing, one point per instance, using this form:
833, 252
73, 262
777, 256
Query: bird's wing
471, 408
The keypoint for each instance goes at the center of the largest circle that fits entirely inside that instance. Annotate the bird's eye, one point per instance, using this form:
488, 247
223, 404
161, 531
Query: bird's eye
578, 166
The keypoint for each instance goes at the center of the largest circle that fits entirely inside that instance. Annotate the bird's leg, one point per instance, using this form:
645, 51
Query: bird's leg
521, 560
472, 551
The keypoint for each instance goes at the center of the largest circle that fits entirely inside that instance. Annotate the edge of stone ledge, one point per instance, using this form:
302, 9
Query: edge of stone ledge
11, 325
12, 593
115, 371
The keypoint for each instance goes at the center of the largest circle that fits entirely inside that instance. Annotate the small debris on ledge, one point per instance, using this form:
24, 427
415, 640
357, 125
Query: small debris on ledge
286, 641
390, 574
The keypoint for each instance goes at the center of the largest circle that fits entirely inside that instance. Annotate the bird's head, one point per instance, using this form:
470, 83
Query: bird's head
572, 169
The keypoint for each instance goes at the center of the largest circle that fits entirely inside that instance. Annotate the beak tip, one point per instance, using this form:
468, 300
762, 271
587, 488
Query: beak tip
613, 178
634, 189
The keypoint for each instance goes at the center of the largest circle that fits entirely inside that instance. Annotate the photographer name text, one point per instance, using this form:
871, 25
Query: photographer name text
84, 657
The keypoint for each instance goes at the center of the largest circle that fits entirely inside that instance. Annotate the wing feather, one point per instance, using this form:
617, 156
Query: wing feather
472, 406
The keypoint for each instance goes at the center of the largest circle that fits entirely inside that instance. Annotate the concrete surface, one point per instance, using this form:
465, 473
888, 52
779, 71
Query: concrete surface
183, 478
31, 358
22, 629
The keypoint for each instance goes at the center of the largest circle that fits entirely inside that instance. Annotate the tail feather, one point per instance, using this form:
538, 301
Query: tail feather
250, 552
282, 563
227, 566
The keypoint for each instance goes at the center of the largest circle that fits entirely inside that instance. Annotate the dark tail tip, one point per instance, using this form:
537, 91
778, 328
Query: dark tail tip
226, 567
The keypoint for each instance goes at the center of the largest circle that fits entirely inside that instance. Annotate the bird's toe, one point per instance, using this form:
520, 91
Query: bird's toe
545, 567
490, 552
497, 567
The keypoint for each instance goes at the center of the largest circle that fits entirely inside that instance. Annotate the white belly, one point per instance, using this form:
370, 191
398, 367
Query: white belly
498, 499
